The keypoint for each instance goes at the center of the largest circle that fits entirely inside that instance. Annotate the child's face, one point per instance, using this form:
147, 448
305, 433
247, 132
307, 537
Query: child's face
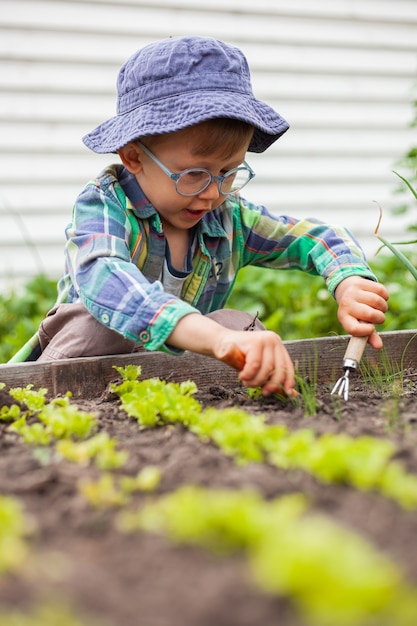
178, 152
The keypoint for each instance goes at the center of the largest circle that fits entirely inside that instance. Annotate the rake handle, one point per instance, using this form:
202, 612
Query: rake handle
355, 349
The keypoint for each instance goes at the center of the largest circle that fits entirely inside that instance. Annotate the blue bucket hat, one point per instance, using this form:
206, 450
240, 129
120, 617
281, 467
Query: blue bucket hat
178, 82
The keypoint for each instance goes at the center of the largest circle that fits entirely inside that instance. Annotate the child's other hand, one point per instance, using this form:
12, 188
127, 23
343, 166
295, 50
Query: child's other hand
362, 303
266, 362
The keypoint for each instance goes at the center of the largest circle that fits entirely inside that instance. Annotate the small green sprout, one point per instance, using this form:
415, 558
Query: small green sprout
111, 491
153, 401
35, 434
146, 480
10, 413
100, 448
65, 420
129, 372
33, 399
13, 527
103, 492
46, 614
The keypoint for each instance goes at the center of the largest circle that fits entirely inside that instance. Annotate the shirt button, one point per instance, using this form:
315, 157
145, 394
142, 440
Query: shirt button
105, 318
144, 336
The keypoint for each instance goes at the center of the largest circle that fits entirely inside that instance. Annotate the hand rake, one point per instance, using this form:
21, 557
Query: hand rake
353, 355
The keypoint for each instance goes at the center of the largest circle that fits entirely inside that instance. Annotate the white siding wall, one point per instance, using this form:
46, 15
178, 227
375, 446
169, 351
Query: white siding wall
343, 72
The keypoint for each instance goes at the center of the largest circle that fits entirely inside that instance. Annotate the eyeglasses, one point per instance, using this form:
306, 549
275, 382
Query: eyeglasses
195, 180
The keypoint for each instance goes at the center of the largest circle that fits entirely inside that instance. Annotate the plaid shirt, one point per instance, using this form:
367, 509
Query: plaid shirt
116, 249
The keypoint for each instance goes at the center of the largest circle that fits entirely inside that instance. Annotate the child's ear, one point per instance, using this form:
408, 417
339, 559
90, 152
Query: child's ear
130, 156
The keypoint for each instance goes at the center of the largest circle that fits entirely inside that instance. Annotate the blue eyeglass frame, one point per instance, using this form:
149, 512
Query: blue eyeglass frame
218, 179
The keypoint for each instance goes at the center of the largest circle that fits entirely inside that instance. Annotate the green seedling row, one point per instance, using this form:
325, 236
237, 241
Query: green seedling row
291, 551
331, 575
72, 431
363, 462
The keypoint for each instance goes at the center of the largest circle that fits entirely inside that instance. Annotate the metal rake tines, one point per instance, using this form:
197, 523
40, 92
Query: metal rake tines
353, 355
341, 387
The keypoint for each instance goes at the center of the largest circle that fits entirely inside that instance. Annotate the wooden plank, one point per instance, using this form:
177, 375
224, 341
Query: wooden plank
318, 359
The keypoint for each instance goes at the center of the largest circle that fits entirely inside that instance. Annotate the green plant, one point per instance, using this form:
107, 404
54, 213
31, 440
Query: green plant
57, 419
393, 247
385, 377
21, 313
153, 401
306, 388
33, 399
363, 462
100, 449
103, 492
291, 553
111, 491
13, 527
291, 303
35, 434
63, 424
46, 614
64, 420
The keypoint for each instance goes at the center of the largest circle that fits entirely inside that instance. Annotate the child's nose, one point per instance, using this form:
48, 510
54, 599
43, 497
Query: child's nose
212, 191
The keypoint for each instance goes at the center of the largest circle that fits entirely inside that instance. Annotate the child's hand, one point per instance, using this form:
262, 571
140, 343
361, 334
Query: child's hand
261, 358
265, 363
362, 304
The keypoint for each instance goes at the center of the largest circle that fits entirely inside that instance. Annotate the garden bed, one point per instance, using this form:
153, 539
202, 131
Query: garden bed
77, 555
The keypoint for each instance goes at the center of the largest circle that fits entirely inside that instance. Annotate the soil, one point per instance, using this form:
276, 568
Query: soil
78, 556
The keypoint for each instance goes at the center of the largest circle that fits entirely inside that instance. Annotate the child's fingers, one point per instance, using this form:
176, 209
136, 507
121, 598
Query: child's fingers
261, 359
274, 372
281, 380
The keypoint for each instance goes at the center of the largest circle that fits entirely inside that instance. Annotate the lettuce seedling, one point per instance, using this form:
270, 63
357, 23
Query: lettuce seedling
35, 434
147, 480
33, 399
362, 461
154, 402
13, 527
10, 413
100, 448
111, 491
103, 492
223, 521
65, 420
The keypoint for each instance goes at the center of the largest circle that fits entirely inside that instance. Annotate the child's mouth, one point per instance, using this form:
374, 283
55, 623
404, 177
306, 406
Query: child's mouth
193, 214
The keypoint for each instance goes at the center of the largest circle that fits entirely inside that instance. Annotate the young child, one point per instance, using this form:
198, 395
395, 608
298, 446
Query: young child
156, 242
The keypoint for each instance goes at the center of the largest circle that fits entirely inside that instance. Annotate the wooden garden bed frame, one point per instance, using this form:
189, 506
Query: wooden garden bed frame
319, 359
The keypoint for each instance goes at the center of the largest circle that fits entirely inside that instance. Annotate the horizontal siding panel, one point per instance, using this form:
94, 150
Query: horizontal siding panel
292, 193
372, 10
297, 169
53, 107
17, 230
381, 10
58, 140
88, 80
343, 73
278, 57
29, 262
251, 25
